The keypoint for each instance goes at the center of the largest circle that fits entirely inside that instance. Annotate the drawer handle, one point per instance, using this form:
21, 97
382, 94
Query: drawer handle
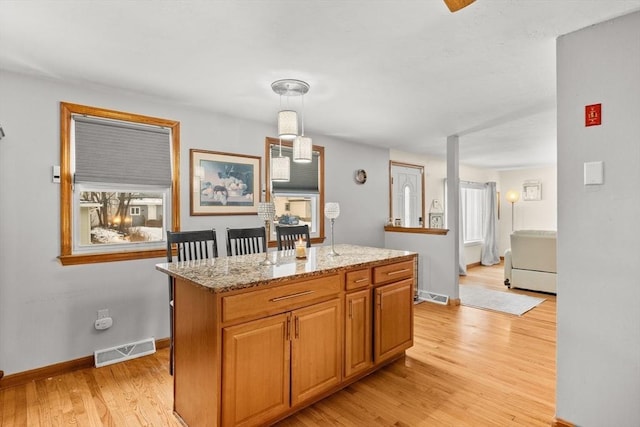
299, 294
404, 270
361, 280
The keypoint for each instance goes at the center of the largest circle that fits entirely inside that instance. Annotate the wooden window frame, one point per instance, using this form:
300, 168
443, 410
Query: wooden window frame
67, 257
267, 155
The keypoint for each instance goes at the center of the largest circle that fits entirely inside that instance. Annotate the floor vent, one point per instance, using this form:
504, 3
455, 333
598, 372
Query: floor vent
436, 298
121, 353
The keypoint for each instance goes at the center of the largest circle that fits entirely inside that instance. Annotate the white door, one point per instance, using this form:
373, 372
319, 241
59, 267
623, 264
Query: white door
407, 195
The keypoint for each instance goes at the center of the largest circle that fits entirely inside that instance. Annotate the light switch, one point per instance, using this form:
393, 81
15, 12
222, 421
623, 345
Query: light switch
593, 173
55, 174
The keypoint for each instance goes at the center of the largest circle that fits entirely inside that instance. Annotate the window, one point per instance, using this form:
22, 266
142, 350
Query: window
472, 200
301, 200
119, 184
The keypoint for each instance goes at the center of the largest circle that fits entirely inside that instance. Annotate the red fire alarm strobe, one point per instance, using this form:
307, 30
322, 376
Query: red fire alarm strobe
593, 115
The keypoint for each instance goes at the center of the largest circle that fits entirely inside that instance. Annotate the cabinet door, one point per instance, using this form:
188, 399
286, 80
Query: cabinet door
255, 373
316, 351
357, 351
393, 319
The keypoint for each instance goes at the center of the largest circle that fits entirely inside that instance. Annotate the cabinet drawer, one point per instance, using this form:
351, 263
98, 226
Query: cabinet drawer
358, 279
393, 272
257, 303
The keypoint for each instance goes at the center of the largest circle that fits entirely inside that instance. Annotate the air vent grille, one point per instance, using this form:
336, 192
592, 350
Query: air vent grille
124, 352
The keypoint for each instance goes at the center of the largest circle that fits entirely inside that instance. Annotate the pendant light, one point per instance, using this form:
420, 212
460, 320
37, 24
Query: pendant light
302, 145
287, 126
280, 167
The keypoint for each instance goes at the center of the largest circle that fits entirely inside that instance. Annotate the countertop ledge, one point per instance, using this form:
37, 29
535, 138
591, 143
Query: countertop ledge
226, 274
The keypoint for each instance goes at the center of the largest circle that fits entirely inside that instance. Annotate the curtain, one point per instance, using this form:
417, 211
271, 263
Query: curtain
489, 255
462, 263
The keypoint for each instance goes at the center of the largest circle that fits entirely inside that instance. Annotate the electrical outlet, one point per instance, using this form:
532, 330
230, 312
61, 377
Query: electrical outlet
104, 323
103, 313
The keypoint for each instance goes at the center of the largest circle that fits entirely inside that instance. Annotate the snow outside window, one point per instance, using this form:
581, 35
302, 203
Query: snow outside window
105, 219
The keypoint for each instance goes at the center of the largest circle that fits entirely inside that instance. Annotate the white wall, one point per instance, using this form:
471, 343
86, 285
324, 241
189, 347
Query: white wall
47, 310
598, 352
530, 214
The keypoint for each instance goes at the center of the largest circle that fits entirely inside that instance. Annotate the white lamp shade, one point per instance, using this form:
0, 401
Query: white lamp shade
332, 210
302, 149
287, 124
280, 169
513, 196
266, 211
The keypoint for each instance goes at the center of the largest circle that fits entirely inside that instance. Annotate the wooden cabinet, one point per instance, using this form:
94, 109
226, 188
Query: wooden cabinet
258, 357
251, 355
255, 375
393, 329
358, 331
315, 350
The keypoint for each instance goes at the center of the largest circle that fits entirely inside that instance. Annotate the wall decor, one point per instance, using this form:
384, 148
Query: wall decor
224, 183
531, 190
361, 176
436, 220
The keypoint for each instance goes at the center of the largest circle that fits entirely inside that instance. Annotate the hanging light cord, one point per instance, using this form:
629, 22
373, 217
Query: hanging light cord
279, 137
302, 134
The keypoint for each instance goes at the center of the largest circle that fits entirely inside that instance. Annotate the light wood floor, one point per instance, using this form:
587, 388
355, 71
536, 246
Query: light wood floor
468, 367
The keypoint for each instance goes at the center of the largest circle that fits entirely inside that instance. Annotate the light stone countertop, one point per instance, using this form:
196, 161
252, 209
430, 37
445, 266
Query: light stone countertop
238, 272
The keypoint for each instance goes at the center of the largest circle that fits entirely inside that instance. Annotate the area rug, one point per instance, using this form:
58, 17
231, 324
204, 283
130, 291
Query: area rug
506, 302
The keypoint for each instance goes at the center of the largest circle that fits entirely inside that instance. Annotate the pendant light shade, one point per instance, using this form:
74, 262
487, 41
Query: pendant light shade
287, 124
302, 149
280, 169
288, 130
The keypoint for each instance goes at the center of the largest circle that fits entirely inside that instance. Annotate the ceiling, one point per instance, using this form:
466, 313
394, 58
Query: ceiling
402, 74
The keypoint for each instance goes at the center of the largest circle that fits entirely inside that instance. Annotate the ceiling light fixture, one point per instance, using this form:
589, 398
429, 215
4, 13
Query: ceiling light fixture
280, 167
456, 5
288, 119
302, 145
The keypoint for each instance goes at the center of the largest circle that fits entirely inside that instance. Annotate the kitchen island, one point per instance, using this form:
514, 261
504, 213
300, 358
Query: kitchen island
255, 343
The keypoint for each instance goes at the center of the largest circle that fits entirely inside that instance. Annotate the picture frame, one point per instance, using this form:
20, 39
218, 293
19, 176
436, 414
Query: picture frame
224, 183
436, 220
531, 191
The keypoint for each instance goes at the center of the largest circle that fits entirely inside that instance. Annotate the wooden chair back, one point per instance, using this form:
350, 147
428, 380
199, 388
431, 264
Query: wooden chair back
190, 246
242, 241
288, 235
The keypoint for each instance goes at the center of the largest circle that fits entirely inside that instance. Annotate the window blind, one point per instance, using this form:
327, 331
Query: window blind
110, 151
304, 177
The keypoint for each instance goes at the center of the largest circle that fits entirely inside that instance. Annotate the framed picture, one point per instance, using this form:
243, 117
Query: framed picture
531, 190
224, 183
436, 220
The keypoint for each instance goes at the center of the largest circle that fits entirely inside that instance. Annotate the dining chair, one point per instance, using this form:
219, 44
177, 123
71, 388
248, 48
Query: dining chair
288, 235
190, 246
242, 241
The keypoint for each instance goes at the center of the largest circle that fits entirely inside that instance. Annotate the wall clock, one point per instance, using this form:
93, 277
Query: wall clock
361, 176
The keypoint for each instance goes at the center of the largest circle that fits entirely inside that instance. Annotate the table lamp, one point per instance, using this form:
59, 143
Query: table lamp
332, 211
267, 213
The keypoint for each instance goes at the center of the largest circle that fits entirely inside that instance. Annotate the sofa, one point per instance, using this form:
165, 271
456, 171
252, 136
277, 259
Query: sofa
530, 263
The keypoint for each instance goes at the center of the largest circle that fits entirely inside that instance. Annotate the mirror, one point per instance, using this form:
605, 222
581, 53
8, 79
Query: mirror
406, 194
